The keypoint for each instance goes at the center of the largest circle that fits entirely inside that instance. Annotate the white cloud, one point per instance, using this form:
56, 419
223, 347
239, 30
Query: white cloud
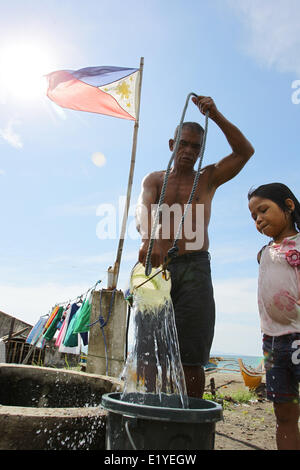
237, 327
2, 172
224, 254
9, 134
236, 296
107, 257
273, 31
28, 303
73, 209
233, 338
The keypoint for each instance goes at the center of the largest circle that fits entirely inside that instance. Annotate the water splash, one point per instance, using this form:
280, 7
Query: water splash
153, 364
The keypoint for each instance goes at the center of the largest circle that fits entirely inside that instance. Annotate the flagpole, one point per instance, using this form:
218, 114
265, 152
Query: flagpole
116, 268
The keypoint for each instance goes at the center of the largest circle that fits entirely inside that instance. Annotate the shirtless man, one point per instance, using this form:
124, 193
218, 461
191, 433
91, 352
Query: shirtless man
192, 291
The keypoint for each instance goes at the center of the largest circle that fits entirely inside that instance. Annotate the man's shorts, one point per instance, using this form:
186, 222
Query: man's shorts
194, 306
282, 364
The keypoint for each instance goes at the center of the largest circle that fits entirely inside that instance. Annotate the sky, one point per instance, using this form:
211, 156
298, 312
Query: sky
60, 169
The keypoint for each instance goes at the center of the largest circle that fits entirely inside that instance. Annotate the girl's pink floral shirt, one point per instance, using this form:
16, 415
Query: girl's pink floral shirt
279, 287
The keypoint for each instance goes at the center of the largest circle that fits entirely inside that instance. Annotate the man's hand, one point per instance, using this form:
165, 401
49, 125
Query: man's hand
206, 103
242, 150
157, 256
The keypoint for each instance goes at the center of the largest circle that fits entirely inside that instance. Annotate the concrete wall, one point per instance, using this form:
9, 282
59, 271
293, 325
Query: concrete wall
50, 409
114, 331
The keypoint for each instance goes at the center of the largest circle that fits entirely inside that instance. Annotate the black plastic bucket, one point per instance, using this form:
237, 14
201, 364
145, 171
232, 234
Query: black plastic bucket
152, 422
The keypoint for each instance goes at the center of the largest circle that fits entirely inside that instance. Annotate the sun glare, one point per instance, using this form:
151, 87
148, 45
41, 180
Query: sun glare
22, 71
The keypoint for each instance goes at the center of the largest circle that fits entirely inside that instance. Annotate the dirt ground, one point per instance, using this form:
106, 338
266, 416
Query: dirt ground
245, 426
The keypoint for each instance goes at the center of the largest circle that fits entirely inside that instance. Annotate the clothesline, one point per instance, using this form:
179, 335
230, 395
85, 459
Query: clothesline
79, 297
70, 319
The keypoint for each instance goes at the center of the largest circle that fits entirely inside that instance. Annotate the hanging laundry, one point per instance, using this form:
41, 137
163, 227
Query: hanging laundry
51, 318
71, 322
63, 329
71, 338
85, 338
73, 346
83, 316
70, 350
36, 332
60, 323
51, 330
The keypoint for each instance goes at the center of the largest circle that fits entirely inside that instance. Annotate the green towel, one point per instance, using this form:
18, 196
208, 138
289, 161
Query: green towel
50, 332
83, 317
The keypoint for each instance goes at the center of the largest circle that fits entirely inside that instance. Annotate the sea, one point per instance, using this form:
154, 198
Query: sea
230, 361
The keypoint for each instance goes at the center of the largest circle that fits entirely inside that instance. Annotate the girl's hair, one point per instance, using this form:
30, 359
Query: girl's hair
278, 193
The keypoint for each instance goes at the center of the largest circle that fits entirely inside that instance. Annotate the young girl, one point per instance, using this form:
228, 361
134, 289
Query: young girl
276, 213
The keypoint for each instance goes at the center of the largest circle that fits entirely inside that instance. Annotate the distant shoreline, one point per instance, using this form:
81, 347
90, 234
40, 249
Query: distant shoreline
218, 353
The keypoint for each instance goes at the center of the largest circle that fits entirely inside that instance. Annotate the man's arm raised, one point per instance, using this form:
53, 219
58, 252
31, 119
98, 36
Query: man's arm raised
242, 149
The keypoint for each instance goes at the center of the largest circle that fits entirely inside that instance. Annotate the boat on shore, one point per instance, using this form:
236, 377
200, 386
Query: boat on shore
213, 365
252, 377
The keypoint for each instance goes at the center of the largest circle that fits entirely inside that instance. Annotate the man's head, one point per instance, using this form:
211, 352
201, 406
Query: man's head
192, 126
189, 143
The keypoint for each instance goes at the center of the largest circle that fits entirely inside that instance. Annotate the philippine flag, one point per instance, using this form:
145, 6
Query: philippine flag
105, 90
